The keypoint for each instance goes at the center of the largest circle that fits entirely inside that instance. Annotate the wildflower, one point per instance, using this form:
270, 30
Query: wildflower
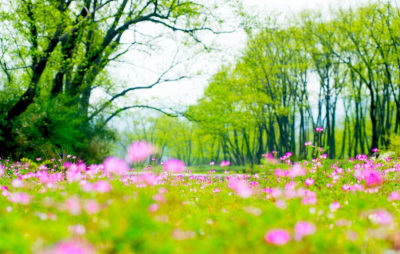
70, 246
381, 217
153, 208
159, 198
297, 170
309, 182
212, 163
372, 177
139, 151
91, 206
77, 229
17, 183
302, 229
225, 164
241, 187
334, 206
277, 237
394, 196
319, 129
174, 166
20, 198
102, 186
375, 150
180, 235
115, 166
216, 190
73, 205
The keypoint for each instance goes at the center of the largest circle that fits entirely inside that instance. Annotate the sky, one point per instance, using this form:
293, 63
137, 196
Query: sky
186, 92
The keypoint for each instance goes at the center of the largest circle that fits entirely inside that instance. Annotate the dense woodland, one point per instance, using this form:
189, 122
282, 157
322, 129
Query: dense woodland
338, 70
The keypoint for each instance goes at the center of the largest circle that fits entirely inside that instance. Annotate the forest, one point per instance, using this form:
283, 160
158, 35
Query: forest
339, 71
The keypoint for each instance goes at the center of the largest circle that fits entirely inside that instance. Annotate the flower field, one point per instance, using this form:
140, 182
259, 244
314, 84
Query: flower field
313, 206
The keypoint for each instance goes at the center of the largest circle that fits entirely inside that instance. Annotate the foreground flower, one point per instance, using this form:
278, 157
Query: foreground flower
394, 196
20, 198
115, 166
372, 177
174, 166
381, 217
302, 229
277, 237
69, 247
309, 182
334, 206
241, 187
139, 151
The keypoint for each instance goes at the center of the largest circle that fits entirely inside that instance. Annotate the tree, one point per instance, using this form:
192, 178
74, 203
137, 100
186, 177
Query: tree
56, 53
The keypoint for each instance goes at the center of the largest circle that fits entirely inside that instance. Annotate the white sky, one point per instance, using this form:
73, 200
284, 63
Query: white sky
188, 91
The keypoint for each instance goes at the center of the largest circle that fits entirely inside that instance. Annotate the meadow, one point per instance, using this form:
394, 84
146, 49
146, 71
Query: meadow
312, 206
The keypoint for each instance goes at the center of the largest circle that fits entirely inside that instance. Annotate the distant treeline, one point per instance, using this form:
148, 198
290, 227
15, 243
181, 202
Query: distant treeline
338, 70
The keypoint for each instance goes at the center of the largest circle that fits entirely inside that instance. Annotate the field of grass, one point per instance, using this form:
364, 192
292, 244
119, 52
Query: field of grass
311, 207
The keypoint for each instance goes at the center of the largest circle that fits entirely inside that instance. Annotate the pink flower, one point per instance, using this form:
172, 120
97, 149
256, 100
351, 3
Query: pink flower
212, 163
153, 208
17, 183
70, 246
334, 206
92, 207
241, 187
102, 186
174, 166
139, 151
73, 205
20, 198
319, 129
225, 164
216, 190
159, 198
394, 196
277, 237
381, 217
77, 229
297, 170
115, 166
302, 229
372, 177
375, 150
309, 182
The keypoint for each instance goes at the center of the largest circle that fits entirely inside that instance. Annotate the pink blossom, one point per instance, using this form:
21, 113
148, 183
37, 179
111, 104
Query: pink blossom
20, 198
70, 246
153, 208
102, 186
162, 190
394, 196
225, 164
73, 205
381, 217
319, 129
115, 166
241, 187
139, 151
92, 207
216, 190
372, 177
309, 182
77, 229
174, 166
297, 170
277, 237
375, 150
212, 163
159, 198
334, 206
302, 229
17, 183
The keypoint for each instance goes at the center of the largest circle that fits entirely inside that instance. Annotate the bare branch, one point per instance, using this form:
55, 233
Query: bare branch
137, 106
